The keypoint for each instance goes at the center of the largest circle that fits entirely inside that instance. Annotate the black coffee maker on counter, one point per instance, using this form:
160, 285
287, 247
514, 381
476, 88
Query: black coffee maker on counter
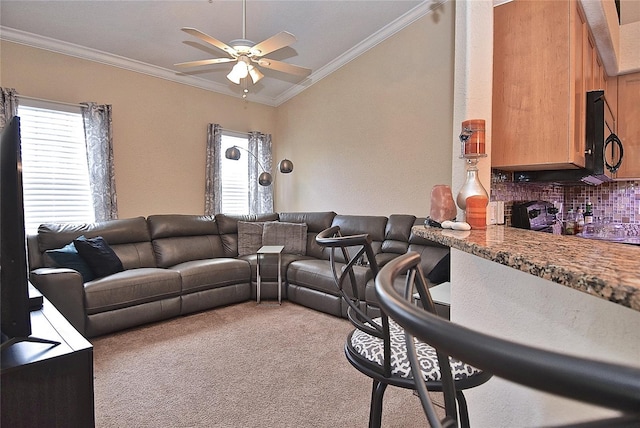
534, 215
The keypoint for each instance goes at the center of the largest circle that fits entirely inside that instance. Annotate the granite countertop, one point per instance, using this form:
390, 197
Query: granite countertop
607, 270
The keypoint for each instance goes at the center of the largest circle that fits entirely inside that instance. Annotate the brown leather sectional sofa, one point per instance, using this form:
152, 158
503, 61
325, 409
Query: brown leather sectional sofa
178, 264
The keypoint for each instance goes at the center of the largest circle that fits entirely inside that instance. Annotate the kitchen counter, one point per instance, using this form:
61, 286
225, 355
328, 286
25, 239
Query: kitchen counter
564, 293
603, 269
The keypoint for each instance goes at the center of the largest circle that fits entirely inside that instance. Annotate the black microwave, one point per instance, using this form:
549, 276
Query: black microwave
601, 129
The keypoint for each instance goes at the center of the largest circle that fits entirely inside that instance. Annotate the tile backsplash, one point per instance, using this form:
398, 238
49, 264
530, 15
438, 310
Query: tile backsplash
617, 201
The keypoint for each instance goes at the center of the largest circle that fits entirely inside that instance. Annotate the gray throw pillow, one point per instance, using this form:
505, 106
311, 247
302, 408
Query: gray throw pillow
249, 237
292, 235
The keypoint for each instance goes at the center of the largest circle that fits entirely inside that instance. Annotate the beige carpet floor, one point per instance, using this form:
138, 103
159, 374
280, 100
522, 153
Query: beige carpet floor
239, 366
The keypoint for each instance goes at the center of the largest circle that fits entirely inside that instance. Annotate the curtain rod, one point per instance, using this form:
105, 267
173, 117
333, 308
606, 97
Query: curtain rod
24, 97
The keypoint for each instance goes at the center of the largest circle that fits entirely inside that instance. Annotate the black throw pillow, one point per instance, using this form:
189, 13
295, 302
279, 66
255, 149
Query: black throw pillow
99, 256
68, 257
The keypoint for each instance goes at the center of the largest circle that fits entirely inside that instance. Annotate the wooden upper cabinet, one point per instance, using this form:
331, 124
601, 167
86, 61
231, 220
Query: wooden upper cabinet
544, 62
589, 50
629, 125
611, 89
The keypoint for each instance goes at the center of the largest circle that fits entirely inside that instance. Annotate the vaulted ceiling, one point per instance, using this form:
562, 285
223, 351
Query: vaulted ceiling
145, 36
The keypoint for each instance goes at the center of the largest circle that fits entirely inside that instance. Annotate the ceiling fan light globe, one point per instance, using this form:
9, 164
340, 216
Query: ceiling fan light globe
240, 69
233, 77
255, 74
265, 179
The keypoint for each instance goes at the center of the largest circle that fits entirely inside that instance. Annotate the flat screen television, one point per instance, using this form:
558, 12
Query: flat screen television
14, 291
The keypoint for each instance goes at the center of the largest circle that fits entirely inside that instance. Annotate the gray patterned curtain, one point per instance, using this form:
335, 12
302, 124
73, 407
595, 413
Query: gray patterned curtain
99, 140
213, 184
260, 197
8, 105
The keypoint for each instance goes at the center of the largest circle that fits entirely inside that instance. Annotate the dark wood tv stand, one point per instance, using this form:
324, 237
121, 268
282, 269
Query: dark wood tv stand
44, 384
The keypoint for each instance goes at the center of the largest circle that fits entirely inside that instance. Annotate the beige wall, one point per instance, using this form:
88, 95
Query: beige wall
372, 138
159, 127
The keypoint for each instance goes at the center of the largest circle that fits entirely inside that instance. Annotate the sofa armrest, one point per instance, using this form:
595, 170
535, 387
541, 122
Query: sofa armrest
65, 290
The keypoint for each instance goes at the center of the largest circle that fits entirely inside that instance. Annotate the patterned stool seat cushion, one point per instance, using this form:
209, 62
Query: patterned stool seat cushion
371, 348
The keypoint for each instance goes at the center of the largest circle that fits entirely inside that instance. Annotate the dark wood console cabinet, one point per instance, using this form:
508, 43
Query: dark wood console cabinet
42, 385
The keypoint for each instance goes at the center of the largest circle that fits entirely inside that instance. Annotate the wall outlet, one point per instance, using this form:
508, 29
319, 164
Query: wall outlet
495, 212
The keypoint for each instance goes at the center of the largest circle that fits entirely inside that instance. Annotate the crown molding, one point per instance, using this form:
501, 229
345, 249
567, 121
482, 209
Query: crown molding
389, 30
82, 52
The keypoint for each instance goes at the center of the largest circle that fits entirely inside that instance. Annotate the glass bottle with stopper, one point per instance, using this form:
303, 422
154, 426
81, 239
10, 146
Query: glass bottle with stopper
472, 147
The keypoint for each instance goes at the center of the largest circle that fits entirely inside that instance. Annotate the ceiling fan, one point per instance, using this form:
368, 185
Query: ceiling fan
247, 54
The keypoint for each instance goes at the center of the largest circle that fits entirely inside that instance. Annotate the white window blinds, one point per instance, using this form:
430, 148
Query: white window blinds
54, 166
235, 177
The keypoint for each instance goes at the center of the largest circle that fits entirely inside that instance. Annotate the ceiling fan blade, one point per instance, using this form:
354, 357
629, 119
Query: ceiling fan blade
211, 40
284, 67
203, 62
273, 43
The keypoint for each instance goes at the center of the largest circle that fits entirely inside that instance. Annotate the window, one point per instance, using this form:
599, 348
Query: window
234, 174
54, 165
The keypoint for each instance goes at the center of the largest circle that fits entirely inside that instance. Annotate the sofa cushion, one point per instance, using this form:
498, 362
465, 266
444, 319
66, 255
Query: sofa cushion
228, 229
384, 258
198, 275
228, 223
102, 260
317, 275
171, 251
68, 257
249, 237
131, 287
370, 296
56, 235
374, 226
135, 254
128, 238
316, 222
397, 232
292, 235
172, 225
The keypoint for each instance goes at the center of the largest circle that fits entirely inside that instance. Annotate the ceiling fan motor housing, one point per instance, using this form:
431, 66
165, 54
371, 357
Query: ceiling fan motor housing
243, 46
